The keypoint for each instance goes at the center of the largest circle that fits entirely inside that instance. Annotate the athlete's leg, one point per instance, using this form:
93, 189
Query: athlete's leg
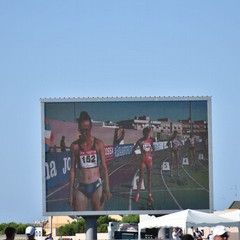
141, 173
177, 160
98, 199
172, 156
80, 201
194, 155
149, 177
190, 156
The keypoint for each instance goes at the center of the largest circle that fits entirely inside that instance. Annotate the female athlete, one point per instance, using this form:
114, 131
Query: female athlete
87, 153
174, 144
146, 147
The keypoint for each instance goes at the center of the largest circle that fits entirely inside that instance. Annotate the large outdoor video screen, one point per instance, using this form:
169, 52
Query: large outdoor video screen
126, 155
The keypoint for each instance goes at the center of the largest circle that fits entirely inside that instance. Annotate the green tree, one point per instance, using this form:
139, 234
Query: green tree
13, 224
2, 227
103, 228
72, 228
132, 218
66, 230
102, 223
81, 226
21, 228
103, 219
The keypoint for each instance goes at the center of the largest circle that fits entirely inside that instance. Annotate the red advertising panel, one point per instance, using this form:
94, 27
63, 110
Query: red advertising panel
126, 155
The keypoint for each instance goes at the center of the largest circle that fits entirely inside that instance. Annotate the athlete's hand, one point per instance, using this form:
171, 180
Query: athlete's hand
70, 200
107, 195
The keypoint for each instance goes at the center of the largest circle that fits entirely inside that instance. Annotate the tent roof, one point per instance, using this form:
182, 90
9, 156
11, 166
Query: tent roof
188, 218
234, 215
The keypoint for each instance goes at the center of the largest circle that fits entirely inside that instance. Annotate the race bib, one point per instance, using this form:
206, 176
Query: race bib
147, 147
89, 159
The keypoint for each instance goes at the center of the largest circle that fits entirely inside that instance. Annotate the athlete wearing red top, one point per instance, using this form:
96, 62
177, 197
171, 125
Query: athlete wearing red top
146, 147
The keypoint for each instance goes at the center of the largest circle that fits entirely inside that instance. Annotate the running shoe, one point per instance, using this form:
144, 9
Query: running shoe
137, 198
150, 198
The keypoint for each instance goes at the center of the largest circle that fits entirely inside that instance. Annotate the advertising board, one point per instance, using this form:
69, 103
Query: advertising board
149, 155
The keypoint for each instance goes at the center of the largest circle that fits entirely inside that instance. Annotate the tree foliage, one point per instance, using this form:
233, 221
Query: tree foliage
79, 226
20, 227
102, 223
75, 227
72, 228
132, 218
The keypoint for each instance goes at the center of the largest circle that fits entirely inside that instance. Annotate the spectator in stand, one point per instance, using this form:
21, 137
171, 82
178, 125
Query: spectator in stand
220, 233
187, 237
30, 232
210, 235
49, 236
10, 233
62, 144
198, 234
177, 233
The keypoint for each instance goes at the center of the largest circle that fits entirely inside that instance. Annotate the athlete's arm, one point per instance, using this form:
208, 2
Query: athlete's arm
168, 142
153, 149
101, 149
135, 148
180, 140
74, 154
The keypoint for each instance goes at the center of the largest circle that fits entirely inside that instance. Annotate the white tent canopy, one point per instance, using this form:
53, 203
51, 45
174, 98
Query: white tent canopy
186, 219
234, 215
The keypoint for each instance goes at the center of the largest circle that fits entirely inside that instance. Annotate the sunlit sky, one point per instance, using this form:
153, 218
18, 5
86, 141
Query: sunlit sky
57, 49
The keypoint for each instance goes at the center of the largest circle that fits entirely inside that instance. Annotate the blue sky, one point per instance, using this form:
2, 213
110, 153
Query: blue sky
57, 49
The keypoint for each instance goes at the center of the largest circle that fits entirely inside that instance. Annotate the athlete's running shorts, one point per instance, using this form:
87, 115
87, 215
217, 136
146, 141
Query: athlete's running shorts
147, 160
89, 188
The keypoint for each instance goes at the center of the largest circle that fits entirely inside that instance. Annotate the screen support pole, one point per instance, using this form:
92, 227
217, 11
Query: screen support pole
91, 227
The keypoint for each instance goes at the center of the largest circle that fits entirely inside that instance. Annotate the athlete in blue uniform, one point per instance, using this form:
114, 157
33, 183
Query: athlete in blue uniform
85, 181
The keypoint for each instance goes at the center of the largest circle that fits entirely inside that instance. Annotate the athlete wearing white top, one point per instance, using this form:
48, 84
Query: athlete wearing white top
174, 144
191, 143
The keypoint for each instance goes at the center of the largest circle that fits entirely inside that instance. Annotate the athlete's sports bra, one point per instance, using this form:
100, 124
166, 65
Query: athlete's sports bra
175, 143
146, 145
89, 158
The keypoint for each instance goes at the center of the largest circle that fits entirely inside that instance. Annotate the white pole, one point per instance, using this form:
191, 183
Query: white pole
51, 217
